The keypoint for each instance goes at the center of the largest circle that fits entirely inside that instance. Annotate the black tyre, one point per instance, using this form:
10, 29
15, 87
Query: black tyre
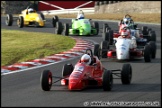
144, 30
67, 70
66, 30
97, 50
111, 32
126, 74
107, 82
20, 22
107, 29
9, 20
96, 26
46, 80
89, 52
105, 36
147, 53
59, 28
54, 20
152, 36
42, 16
105, 25
104, 48
153, 49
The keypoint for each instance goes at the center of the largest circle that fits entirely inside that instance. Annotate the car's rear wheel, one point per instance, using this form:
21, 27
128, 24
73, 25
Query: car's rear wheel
153, 49
67, 70
105, 25
9, 20
147, 53
152, 36
20, 22
55, 19
107, 82
46, 80
144, 30
97, 50
126, 74
104, 48
42, 16
66, 29
96, 26
59, 27
111, 32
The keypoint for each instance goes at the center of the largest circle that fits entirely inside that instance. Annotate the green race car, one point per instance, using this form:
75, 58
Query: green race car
79, 27
83, 27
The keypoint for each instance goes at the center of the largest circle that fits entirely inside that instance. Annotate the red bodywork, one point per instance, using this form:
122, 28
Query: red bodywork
84, 75
134, 53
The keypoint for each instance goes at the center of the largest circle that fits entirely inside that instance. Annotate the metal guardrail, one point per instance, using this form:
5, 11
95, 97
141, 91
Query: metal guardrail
69, 11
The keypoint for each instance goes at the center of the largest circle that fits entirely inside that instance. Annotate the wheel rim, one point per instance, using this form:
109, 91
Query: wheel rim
49, 81
18, 22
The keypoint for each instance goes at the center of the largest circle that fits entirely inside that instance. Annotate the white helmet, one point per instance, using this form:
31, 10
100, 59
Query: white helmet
126, 21
30, 10
86, 59
80, 15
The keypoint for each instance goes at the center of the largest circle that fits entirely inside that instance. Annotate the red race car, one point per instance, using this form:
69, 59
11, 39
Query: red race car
85, 75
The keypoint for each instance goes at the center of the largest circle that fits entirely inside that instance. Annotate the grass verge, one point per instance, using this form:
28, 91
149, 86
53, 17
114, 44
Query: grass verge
18, 46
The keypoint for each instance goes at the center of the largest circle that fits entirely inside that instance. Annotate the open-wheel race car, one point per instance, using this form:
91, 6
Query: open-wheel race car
78, 27
143, 35
126, 48
82, 76
28, 17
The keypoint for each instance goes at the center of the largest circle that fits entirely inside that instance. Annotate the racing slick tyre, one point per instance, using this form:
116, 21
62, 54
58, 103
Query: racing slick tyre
147, 53
111, 32
46, 80
152, 36
66, 30
58, 29
126, 74
54, 20
144, 30
89, 52
104, 48
105, 36
42, 16
153, 49
108, 36
105, 25
107, 82
96, 26
20, 22
97, 50
9, 20
67, 70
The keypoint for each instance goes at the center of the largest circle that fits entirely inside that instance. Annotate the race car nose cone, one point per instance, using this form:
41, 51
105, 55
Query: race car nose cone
75, 85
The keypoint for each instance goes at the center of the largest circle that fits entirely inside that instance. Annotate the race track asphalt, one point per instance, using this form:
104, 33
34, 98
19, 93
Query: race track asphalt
23, 88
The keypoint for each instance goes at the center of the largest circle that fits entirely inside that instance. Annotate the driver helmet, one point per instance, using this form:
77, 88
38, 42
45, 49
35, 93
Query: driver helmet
80, 15
126, 21
86, 59
124, 33
30, 10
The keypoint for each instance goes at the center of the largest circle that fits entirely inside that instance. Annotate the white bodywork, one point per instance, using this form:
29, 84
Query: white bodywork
123, 46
